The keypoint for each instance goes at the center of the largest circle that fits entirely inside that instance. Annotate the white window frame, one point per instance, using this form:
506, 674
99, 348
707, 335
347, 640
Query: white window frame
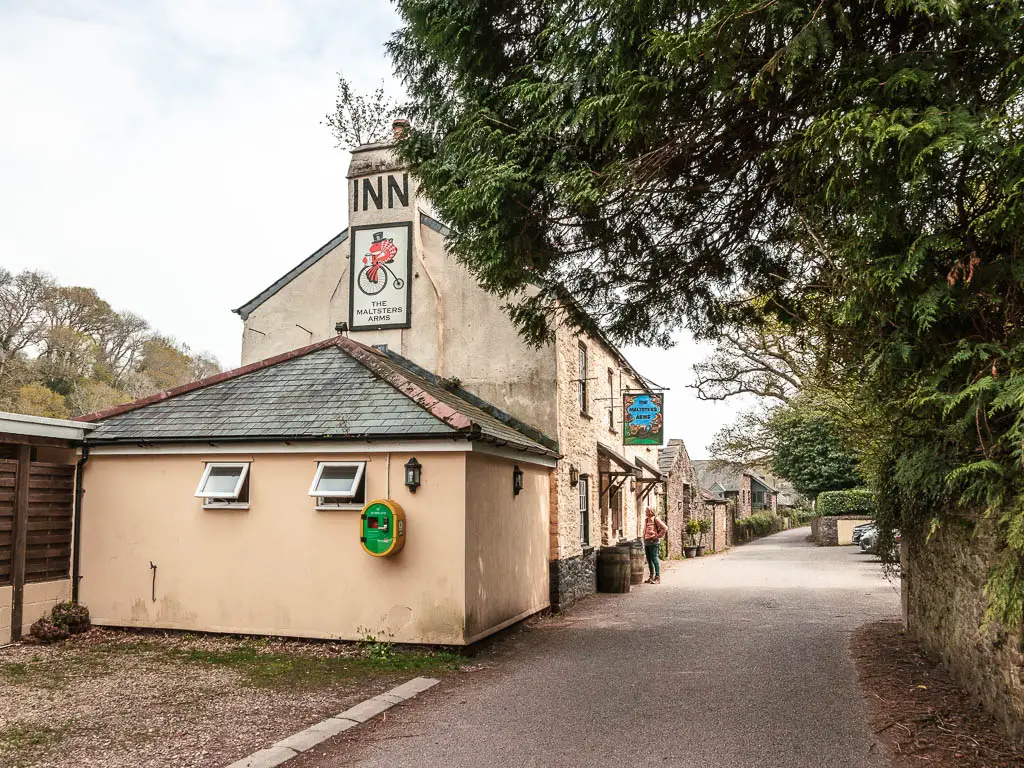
611, 401
584, 504
210, 499
584, 367
337, 500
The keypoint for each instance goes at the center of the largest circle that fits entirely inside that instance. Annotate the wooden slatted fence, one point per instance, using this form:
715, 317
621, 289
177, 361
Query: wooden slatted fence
8, 478
51, 497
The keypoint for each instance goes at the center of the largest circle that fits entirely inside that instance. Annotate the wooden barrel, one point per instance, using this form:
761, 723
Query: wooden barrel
613, 569
637, 558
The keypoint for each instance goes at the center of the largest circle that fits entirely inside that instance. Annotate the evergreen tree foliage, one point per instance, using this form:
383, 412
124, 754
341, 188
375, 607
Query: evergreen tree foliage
856, 167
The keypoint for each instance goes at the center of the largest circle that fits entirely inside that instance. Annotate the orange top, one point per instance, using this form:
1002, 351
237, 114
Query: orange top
654, 529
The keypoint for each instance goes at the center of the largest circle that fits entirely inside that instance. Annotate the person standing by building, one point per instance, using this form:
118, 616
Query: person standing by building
654, 529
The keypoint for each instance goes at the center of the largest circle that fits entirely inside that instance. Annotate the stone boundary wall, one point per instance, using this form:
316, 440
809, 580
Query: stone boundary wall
828, 532
573, 578
944, 604
834, 531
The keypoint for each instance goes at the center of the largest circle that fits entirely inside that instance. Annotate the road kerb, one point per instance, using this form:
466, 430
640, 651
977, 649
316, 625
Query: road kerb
284, 750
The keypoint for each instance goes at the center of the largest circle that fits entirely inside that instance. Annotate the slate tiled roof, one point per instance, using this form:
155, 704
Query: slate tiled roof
710, 472
667, 455
726, 475
333, 390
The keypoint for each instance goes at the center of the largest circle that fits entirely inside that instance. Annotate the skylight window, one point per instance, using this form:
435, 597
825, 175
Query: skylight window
224, 484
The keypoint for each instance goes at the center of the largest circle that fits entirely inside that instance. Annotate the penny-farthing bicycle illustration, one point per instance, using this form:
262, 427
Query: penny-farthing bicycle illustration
373, 277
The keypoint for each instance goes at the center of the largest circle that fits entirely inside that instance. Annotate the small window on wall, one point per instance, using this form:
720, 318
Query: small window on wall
339, 484
224, 485
582, 392
584, 486
611, 400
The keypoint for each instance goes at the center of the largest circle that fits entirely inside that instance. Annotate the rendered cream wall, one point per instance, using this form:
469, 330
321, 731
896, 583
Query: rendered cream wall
280, 567
457, 329
506, 543
39, 601
5, 614
845, 527
274, 327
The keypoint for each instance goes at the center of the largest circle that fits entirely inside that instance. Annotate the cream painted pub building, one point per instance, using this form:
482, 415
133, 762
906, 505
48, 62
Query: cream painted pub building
389, 279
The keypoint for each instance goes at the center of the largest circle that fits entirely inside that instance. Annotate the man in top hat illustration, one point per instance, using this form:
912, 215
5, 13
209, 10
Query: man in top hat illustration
382, 251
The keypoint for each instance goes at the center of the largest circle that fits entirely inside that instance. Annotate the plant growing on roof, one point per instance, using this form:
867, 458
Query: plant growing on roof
361, 119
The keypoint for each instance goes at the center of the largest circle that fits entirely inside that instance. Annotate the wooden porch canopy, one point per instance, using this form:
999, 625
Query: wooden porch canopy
37, 503
652, 476
612, 480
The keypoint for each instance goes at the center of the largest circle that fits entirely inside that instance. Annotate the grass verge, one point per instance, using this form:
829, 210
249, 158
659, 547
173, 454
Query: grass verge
23, 742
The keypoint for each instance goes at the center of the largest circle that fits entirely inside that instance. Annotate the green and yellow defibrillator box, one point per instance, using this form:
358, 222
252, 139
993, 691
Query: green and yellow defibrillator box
382, 528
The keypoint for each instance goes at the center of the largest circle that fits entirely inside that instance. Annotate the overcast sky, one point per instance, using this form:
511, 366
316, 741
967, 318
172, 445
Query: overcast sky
172, 156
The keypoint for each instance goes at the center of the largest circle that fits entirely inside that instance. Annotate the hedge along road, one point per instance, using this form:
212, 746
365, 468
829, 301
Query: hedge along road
734, 660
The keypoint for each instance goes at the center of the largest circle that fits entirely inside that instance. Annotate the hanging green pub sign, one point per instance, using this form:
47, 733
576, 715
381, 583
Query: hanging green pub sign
382, 528
643, 418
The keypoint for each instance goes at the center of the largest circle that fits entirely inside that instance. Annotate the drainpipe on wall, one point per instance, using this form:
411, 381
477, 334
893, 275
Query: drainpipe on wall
76, 546
439, 326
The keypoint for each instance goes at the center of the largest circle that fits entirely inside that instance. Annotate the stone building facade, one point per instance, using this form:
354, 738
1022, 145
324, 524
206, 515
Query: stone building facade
686, 499
569, 391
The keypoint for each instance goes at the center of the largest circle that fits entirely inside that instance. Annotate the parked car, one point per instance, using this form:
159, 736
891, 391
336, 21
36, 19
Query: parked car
869, 541
866, 540
859, 530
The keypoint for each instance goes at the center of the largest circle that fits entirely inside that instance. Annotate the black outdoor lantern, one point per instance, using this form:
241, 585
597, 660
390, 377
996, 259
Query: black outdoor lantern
574, 475
412, 474
517, 480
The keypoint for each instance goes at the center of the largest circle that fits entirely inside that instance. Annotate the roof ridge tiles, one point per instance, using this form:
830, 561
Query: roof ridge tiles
374, 360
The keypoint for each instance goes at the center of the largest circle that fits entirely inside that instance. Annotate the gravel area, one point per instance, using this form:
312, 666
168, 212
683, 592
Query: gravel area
143, 700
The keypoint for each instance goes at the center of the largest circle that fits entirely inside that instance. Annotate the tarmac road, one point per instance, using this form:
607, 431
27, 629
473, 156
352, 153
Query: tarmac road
738, 660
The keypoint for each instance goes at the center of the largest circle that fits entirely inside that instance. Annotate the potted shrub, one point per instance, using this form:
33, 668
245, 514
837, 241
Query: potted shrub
704, 526
690, 544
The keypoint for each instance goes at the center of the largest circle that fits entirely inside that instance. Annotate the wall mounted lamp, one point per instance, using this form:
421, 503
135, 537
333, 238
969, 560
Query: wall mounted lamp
517, 480
413, 472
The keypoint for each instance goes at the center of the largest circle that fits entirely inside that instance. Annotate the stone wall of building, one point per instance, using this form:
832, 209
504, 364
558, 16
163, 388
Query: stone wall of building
573, 578
684, 500
580, 433
720, 537
746, 502
944, 579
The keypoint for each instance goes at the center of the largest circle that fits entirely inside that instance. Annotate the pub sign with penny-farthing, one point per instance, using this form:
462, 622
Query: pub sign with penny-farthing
380, 288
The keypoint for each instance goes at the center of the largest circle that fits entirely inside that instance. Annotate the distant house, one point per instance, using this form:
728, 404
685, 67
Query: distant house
789, 497
751, 491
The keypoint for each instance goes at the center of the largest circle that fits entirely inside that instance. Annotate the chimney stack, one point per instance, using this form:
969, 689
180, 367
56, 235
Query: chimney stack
399, 128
